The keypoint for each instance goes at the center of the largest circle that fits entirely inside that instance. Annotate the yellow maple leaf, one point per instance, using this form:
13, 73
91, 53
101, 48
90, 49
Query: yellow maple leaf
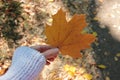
70, 69
67, 36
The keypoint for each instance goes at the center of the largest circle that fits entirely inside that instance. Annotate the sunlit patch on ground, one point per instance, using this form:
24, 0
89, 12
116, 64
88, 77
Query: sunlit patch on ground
109, 15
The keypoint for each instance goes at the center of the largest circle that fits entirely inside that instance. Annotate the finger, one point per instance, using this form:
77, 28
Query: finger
47, 63
51, 59
41, 48
51, 53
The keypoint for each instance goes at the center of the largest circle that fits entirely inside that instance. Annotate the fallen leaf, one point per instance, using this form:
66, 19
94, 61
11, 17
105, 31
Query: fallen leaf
70, 69
67, 36
101, 66
116, 58
96, 19
118, 54
2, 71
107, 78
95, 34
82, 70
87, 76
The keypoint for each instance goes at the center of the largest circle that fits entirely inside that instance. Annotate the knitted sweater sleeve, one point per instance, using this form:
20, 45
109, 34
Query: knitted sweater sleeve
27, 63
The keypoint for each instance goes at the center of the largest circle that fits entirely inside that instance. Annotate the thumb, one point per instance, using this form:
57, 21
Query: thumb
51, 53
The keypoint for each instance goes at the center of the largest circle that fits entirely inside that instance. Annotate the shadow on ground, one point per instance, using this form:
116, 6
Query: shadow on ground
107, 48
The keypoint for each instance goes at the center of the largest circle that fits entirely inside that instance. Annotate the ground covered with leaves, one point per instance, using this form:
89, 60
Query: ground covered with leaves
90, 67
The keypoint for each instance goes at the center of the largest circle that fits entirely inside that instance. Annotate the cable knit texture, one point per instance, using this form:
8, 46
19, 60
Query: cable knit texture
27, 63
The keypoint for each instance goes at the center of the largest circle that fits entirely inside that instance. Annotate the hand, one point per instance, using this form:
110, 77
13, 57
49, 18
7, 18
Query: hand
49, 52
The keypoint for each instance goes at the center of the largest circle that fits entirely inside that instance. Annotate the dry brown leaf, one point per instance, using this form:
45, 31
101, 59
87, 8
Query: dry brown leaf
67, 36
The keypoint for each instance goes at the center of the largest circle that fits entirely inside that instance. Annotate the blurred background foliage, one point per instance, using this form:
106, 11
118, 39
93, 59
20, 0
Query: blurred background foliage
10, 20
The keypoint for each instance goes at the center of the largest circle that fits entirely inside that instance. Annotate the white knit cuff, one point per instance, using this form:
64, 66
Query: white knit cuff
26, 64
